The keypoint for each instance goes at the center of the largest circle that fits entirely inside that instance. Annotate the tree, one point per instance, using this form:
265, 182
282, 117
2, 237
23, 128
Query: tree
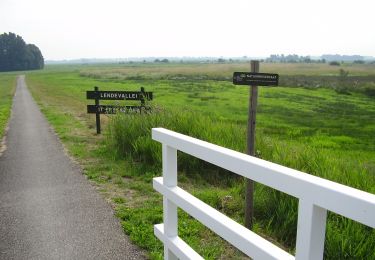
36, 60
15, 54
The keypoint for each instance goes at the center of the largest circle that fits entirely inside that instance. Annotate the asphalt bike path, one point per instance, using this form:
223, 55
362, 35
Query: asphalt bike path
48, 210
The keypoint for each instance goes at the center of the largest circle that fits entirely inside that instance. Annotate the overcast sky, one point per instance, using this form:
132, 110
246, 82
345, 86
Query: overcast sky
71, 29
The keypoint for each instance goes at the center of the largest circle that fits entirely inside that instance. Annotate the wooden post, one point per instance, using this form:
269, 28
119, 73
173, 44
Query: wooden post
253, 100
142, 99
97, 111
143, 95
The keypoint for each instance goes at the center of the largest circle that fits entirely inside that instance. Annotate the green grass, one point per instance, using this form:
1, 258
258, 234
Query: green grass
317, 131
7, 88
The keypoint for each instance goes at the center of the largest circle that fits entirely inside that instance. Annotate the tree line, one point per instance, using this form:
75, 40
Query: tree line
292, 58
15, 54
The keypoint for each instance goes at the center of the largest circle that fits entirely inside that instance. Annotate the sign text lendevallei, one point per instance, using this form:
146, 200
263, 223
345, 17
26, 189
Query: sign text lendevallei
119, 95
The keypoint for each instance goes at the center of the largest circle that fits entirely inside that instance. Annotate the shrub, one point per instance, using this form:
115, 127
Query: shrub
369, 91
359, 62
343, 85
334, 63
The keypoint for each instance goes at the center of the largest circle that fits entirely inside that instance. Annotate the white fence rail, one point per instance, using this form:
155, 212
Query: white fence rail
316, 196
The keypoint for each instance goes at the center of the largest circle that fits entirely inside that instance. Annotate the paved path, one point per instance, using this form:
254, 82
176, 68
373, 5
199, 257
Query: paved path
48, 210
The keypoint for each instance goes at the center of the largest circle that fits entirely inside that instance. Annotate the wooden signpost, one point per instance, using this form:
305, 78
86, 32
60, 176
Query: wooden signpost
113, 109
254, 79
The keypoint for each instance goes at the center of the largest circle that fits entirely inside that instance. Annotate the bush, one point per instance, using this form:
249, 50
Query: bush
368, 91
334, 63
343, 86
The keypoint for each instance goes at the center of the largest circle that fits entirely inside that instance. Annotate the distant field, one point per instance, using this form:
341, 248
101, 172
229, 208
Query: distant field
316, 130
345, 78
7, 87
225, 70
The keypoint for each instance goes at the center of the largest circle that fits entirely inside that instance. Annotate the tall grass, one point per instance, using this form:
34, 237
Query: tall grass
276, 212
130, 134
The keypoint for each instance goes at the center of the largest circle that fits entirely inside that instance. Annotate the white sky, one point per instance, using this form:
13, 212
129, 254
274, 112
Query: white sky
71, 29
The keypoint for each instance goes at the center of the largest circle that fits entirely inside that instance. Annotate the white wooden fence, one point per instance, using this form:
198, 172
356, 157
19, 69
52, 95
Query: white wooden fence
316, 196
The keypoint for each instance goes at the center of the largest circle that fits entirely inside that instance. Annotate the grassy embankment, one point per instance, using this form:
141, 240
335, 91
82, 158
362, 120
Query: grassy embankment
317, 131
7, 88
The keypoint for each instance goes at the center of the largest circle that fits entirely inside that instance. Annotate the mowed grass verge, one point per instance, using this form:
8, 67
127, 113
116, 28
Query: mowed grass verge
7, 88
316, 131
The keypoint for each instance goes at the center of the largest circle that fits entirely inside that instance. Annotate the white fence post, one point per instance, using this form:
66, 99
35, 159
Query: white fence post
169, 208
310, 231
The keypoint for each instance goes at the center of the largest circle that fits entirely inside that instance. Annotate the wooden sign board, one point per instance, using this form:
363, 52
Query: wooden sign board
109, 109
98, 109
119, 95
255, 79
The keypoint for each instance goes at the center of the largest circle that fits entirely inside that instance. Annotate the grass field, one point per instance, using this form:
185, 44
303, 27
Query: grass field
7, 88
315, 130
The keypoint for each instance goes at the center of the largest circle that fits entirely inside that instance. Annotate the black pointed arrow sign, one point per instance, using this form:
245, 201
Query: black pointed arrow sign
255, 79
